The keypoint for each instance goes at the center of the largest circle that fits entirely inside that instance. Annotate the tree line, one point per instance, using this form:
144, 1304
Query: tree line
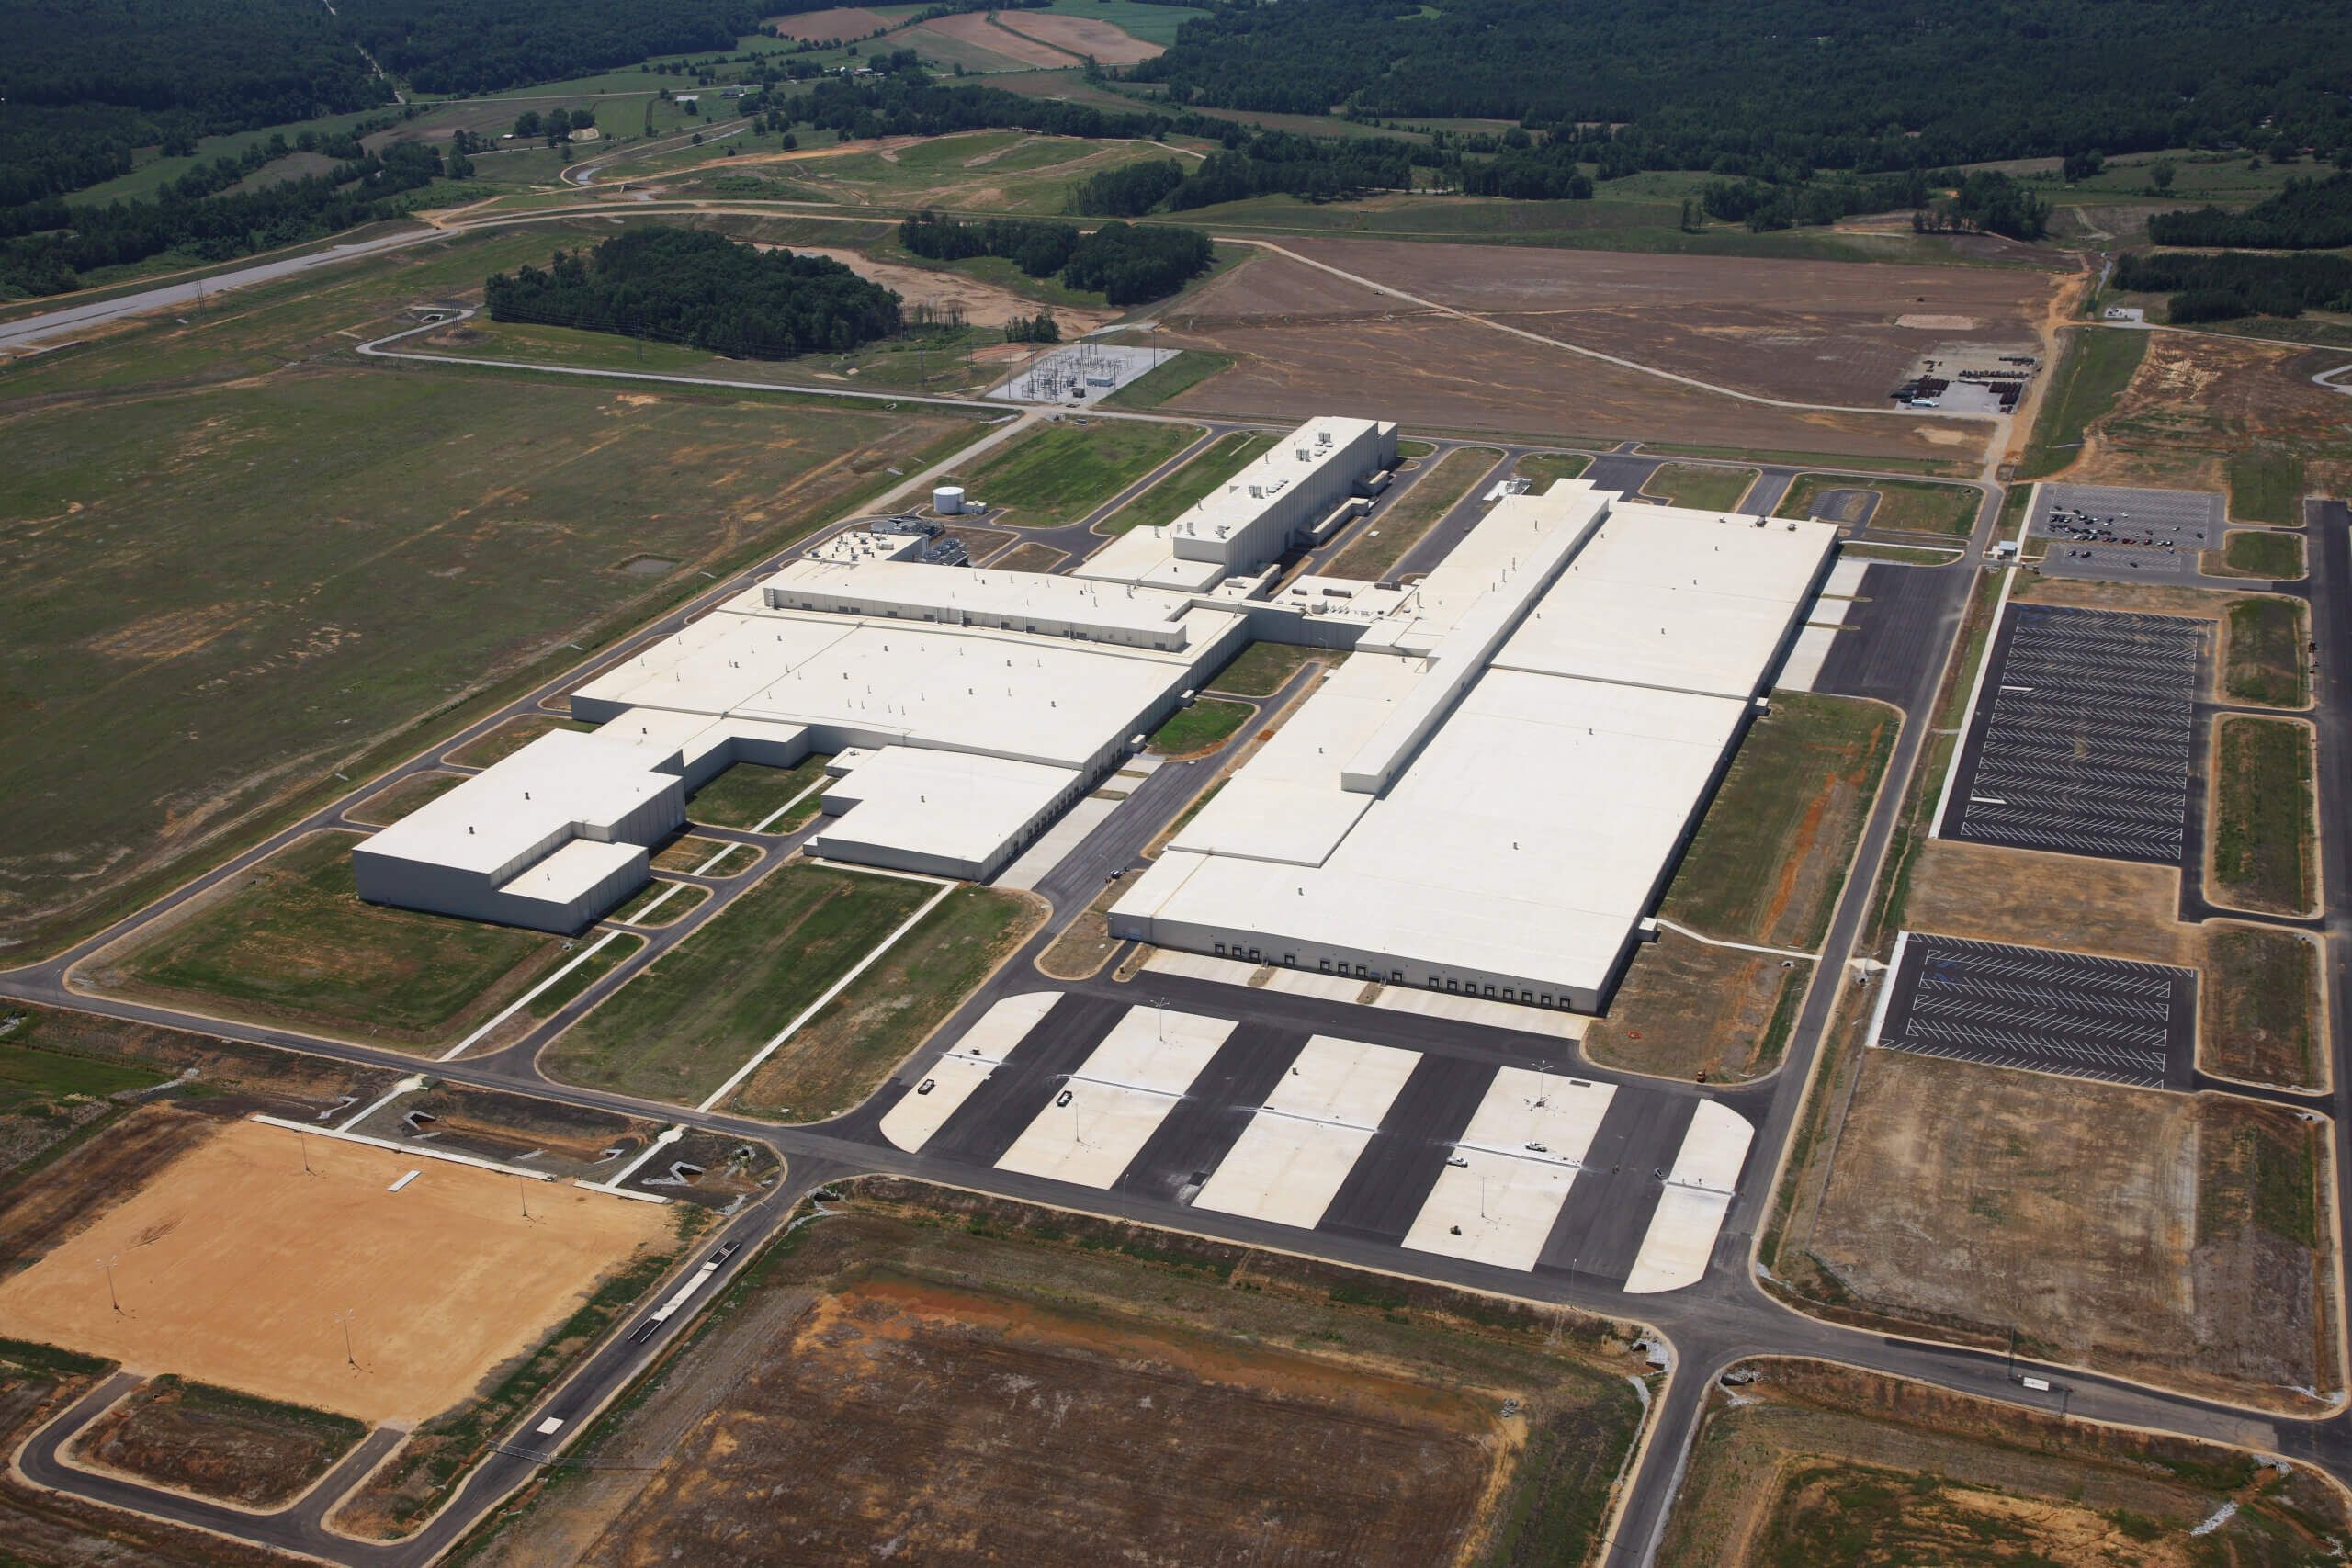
2308, 215
2232, 284
701, 289
1125, 264
1821, 83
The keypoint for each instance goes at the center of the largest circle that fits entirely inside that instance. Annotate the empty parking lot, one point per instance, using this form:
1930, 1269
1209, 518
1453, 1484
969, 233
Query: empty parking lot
2132, 535
2034, 1008
2081, 735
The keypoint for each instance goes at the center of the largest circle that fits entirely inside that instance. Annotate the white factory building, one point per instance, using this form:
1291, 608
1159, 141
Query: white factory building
1487, 797
1495, 807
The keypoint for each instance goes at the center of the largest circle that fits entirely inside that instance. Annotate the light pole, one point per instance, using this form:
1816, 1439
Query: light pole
523, 1189
112, 1299
344, 1318
302, 1139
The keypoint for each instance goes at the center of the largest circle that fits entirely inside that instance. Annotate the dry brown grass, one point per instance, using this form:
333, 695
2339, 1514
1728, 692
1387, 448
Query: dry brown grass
1687, 1007
1988, 893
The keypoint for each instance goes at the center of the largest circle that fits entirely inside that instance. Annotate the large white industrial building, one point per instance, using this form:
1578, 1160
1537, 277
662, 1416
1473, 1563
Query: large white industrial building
1486, 797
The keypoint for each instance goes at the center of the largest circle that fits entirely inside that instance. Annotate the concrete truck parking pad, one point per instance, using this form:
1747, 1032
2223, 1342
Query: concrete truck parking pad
1290, 1161
1106, 1111
2081, 735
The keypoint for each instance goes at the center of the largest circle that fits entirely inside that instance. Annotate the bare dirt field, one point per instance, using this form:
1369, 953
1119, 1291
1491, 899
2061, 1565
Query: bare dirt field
839, 24
1811, 331
233, 1260
1302, 338
983, 304
1085, 36
2198, 400
254, 1453
1991, 894
1812, 1463
984, 1390
972, 29
1686, 1009
2175, 1238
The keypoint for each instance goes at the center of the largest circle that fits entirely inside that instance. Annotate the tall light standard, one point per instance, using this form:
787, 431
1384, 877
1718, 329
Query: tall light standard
345, 1319
112, 1299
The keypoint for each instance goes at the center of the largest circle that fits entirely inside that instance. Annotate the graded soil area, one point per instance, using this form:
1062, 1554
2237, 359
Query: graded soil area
1084, 36
2197, 401
975, 31
1303, 338
231, 1261
983, 304
956, 1381
1812, 1463
1990, 893
253, 1452
1808, 330
2179, 1239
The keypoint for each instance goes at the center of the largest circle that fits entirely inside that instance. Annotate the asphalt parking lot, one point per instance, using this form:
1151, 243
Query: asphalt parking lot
2124, 534
2045, 1010
2081, 735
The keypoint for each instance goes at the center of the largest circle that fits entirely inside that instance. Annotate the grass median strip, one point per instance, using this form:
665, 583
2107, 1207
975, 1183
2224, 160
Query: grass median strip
2263, 661
1904, 507
1401, 524
2257, 552
1201, 727
1702, 487
2262, 1005
1176, 494
678, 1029
2264, 846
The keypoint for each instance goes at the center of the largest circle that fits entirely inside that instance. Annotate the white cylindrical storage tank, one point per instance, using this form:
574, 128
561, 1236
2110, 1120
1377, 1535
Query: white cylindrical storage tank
948, 500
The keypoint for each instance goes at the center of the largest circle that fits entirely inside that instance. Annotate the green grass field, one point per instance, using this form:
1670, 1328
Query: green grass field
1771, 856
1544, 469
1700, 487
1201, 727
1164, 383
2267, 485
842, 1055
660, 902
1260, 669
2092, 372
294, 944
1058, 473
291, 563
677, 1030
747, 795
2278, 556
1403, 523
40, 1083
2264, 854
1173, 496
2263, 662
1902, 506
389, 806
508, 738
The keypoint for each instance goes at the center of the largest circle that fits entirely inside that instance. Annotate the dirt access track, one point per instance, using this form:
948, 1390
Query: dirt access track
230, 1263
1304, 337
983, 304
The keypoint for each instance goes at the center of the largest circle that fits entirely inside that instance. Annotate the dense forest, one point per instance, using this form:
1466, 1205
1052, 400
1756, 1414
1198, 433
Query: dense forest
2308, 215
1125, 265
2219, 287
83, 85
1739, 86
704, 289
476, 46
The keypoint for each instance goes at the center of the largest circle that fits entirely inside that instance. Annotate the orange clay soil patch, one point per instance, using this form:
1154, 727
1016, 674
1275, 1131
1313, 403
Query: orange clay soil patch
2198, 399
984, 304
1081, 35
231, 1263
839, 25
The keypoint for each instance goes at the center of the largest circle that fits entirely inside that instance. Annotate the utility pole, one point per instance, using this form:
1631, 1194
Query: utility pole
345, 1319
302, 1139
112, 1299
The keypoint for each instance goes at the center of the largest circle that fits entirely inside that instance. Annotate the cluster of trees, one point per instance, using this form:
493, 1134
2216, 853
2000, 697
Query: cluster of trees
556, 125
363, 189
1829, 84
1128, 192
1125, 264
83, 87
1988, 202
1277, 162
1039, 328
1525, 172
701, 289
909, 104
2220, 287
2308, 215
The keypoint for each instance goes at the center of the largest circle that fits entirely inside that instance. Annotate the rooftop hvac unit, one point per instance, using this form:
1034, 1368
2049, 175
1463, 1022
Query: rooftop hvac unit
1305, 456
1322, 438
